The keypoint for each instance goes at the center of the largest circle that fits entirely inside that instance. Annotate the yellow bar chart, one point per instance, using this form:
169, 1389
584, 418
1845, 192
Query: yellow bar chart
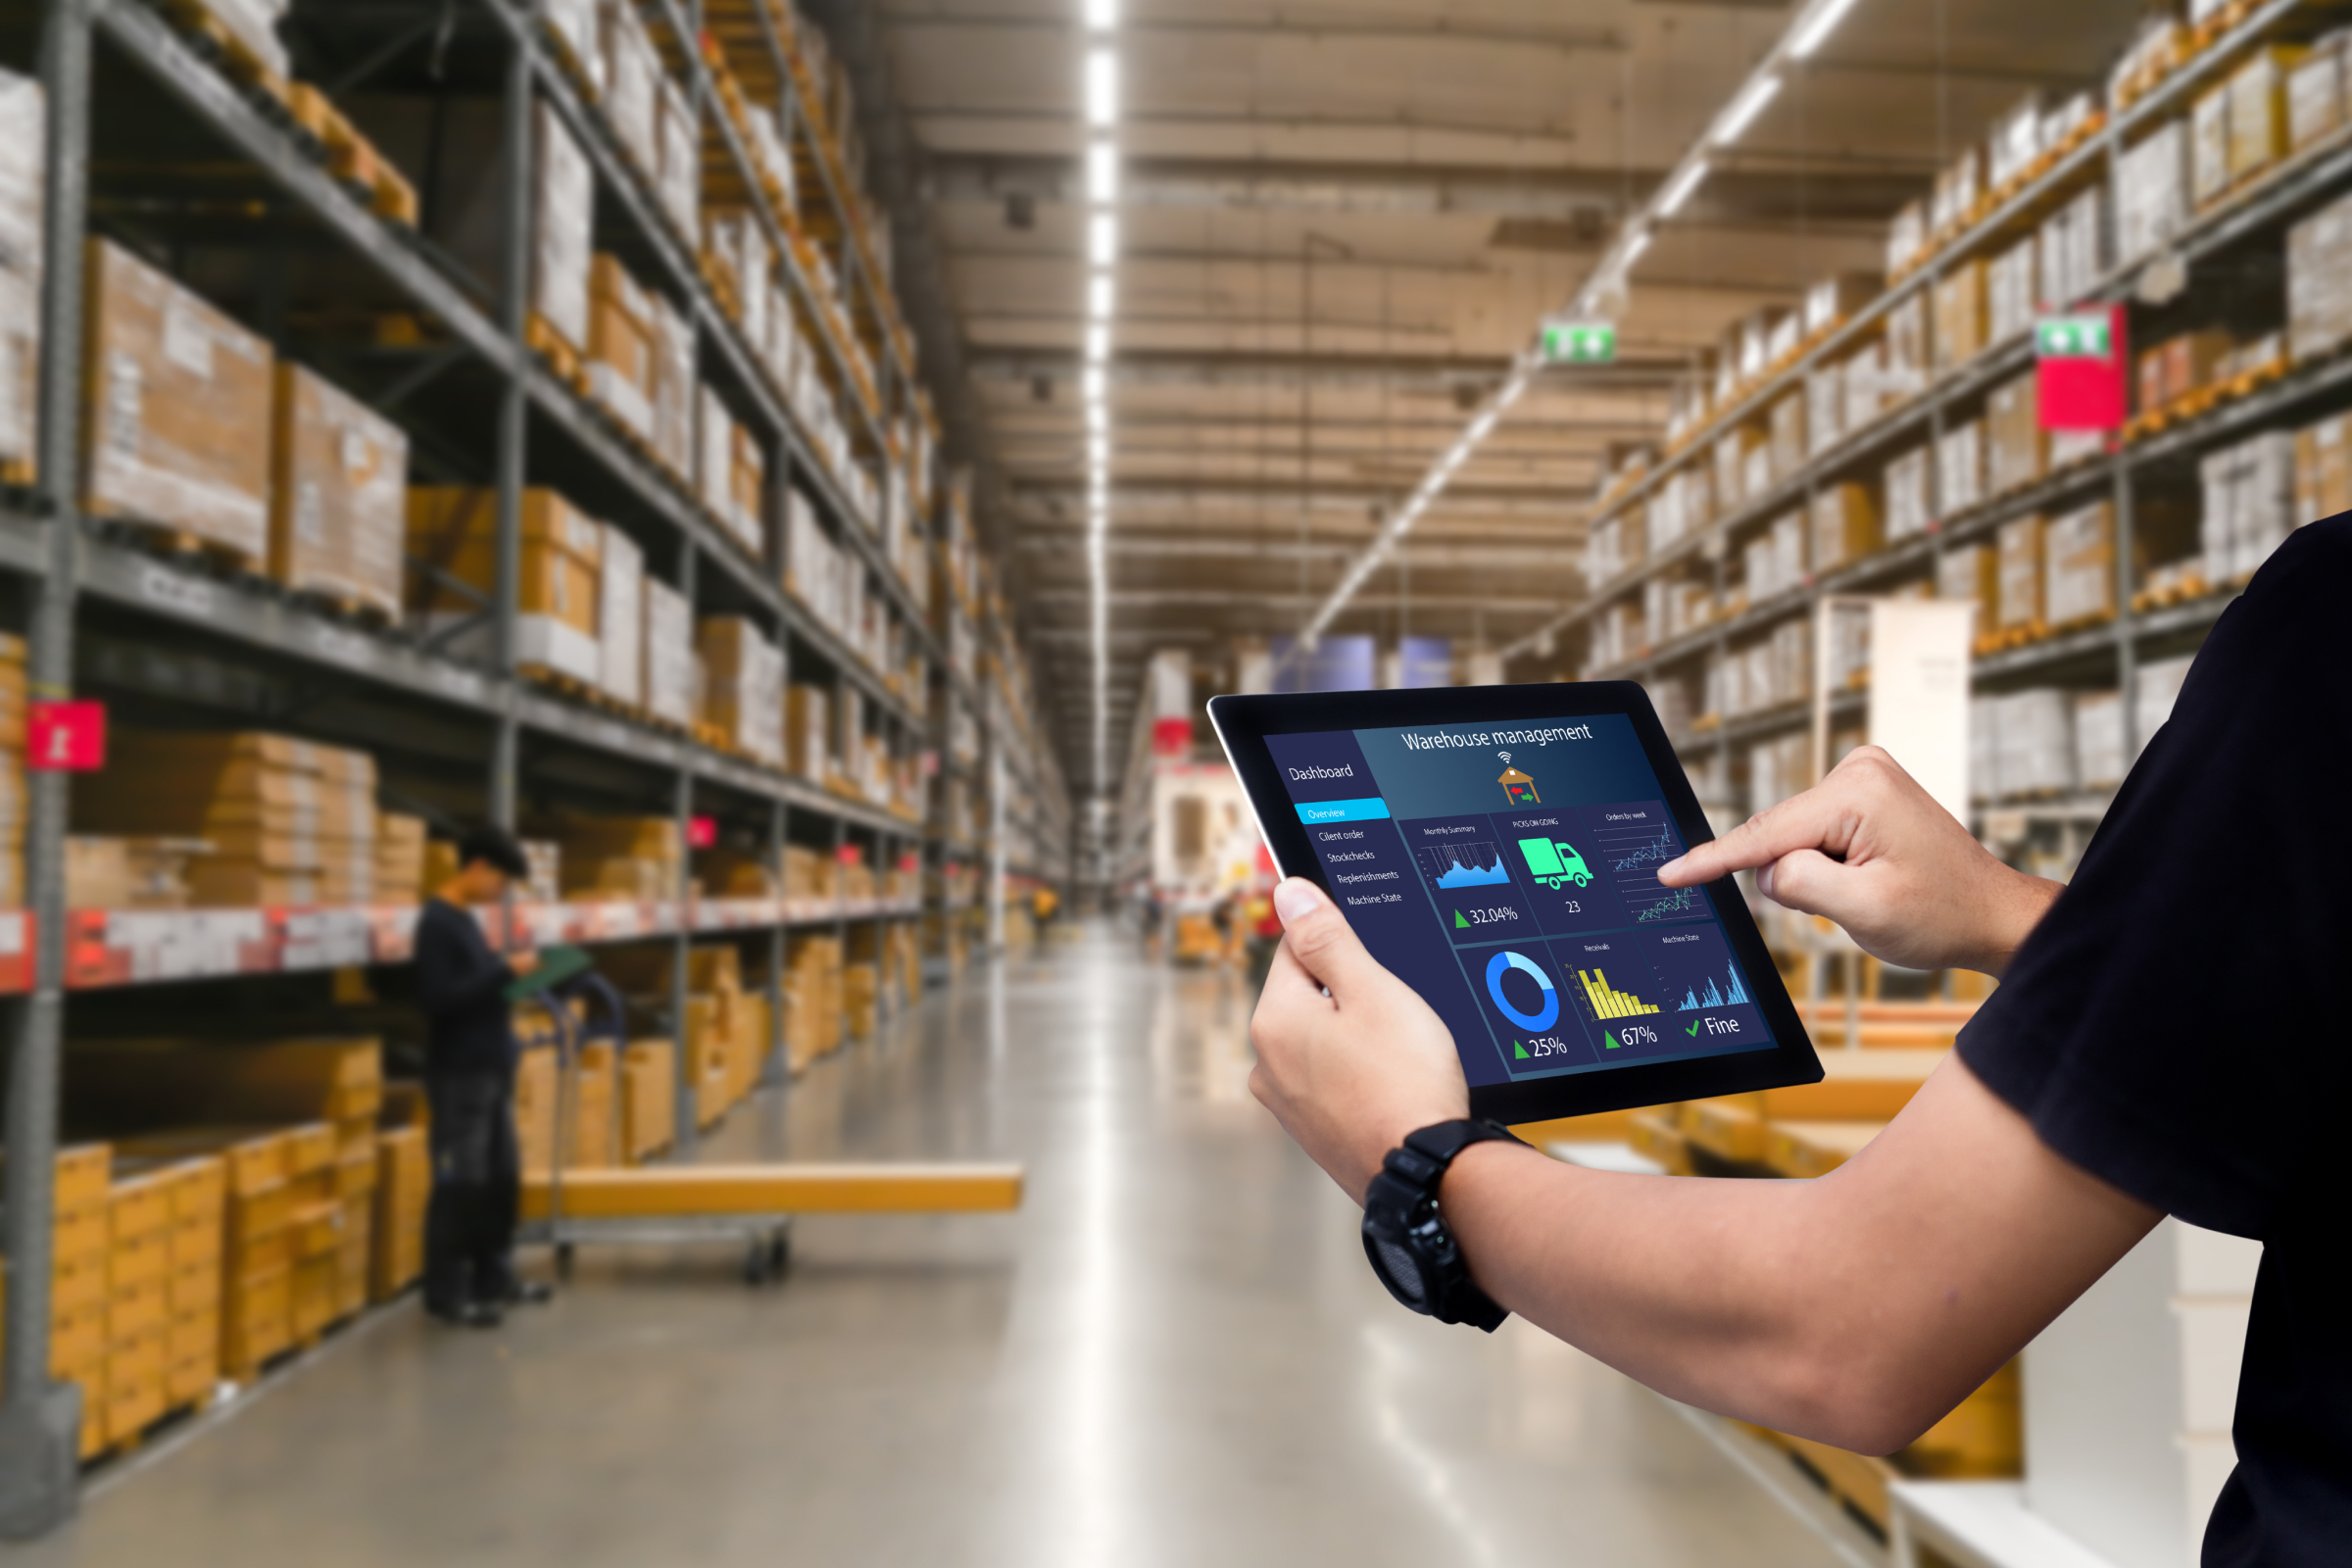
1607, 1002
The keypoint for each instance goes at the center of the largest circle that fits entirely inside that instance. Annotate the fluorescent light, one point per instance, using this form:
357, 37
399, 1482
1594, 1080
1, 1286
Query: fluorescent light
1103, 172
1102, 14
1633, 252
1680, 190
1098, 417
1095, 384
1815, 29
1097, 343
1102, 239
1099, 296
1098, 450
1102, 87
1746, 107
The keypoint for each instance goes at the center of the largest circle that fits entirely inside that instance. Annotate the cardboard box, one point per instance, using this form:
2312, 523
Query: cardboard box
2078, 565
620, 619
1845, 526
561, 588
2017, 450
176, 428
2258, 108
2315, 95
621, 345
24, 136
128, 873
1960, 315
669, 671
742, 690
2017, 547
1971, 572
563, 193
337, 502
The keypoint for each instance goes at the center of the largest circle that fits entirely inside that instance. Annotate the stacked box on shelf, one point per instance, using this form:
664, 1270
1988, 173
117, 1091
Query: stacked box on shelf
2151, 192
623, 346
595, 1106
78, 1282
2079, 583
404, 1185
2323, 470
398, 859
2315, 93
812, 996
1960, 469
620, 619
2025, 744
632, 69
743, 685
23, 127
670, 676
165, 1220
453, 534
289, 822
619, 856
1960, 315
2248, 505
730, 474
678, 182
2318, 282
2018, 551
2017, 450
280, 1221
337, 517
1845, 525
536, 1087
648, 1095
1971, 572
735, 249
175, 425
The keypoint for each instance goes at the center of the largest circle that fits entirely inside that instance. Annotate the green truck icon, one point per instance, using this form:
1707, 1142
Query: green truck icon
1551, 862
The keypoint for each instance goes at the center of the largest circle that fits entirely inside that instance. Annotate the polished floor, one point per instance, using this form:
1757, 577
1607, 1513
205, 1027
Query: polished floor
1172, 1355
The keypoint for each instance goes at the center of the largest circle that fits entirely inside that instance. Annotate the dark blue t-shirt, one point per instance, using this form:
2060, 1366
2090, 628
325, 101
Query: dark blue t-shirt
2176, 1024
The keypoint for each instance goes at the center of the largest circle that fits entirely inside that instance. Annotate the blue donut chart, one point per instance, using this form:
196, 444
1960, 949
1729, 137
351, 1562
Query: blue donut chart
1535, 1022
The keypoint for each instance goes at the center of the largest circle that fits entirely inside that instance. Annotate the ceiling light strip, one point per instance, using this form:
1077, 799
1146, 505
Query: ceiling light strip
1099, 87
1602, 291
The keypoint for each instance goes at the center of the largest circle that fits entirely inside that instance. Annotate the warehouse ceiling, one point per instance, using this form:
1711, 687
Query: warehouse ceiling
1339, 221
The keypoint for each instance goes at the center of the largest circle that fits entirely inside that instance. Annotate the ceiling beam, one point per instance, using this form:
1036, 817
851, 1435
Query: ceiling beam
1418, 556
1255, 368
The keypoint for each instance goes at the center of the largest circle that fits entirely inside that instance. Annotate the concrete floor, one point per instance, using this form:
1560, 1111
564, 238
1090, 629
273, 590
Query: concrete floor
1173, 1354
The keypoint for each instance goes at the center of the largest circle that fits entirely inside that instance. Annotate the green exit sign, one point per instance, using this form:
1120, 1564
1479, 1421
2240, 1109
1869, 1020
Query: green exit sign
2089, 336
1580, 342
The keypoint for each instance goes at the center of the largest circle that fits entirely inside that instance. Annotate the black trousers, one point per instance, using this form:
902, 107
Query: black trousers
477, 1186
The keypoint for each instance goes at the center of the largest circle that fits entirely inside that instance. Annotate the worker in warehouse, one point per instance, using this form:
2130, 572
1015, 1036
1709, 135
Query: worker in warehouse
2164, 1041
469, 1276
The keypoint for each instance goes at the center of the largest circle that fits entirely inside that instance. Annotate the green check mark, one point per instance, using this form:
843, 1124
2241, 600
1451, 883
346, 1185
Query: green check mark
1693, 1029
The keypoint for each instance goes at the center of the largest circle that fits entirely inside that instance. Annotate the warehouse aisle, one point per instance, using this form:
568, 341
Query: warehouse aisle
1173, 1355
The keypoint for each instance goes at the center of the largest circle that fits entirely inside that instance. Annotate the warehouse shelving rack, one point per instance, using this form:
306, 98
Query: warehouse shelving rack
2252, 216
153, 632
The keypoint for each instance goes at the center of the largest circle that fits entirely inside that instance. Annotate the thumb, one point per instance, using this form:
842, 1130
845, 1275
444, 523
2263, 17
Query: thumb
1320, 938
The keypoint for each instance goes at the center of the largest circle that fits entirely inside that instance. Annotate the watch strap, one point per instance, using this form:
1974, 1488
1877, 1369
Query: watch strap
1410, 1176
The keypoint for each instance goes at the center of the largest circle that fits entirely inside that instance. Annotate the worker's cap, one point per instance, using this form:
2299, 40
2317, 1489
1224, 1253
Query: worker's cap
496, 845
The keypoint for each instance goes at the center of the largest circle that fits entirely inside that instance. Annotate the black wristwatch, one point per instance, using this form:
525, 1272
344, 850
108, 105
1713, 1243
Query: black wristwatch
1405, 1236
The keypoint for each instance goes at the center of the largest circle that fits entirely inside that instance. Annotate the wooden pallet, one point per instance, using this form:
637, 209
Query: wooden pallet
347, 606
172, 540
122, 1445
228, 51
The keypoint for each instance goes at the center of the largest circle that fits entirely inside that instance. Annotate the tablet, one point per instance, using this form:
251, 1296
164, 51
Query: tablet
1496, 848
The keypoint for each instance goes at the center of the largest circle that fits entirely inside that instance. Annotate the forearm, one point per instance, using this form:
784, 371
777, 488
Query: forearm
1703, 1290
1855, 1308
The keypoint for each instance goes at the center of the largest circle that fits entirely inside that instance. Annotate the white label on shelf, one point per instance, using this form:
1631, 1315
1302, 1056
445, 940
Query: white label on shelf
190, 596
327, 938
12, 935
343, 647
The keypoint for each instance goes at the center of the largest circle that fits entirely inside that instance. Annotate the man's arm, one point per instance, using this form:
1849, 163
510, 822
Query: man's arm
453, 972
1856, 1308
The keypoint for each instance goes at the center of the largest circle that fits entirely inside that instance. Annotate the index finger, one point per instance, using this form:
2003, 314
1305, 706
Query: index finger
1816, 819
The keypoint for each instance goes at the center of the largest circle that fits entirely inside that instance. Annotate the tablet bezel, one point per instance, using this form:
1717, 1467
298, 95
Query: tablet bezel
1242, 725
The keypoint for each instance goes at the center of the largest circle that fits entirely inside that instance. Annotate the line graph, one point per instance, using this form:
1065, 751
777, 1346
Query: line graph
1464, 865
1662, 903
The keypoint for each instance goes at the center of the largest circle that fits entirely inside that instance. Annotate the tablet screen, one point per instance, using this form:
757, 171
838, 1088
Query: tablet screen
1508, 874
